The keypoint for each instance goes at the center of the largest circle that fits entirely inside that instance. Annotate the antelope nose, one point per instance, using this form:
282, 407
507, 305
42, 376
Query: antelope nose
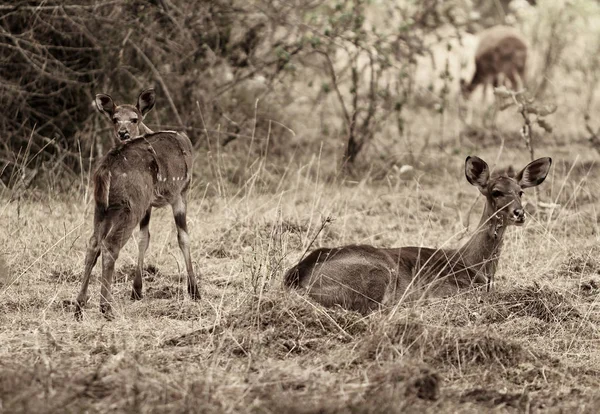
123, 134
519, 213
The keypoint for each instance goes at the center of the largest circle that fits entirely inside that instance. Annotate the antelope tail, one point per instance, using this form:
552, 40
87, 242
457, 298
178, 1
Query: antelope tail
292, 278
102, 187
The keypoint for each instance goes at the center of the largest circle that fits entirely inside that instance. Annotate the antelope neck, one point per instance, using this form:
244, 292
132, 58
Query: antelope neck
145, 130
482, 251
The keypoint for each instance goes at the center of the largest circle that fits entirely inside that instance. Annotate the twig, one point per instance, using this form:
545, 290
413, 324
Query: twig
324, 224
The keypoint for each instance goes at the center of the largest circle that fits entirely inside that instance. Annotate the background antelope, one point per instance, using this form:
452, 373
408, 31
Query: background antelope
501, 56
151, 170
362, 277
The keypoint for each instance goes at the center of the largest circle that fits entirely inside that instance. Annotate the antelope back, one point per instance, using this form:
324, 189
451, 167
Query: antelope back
126, 176
494, 37
173, 153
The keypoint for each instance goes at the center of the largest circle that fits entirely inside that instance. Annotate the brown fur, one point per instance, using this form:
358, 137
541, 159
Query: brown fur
152, 170
364, 278
102, 187
374, 273
500, 58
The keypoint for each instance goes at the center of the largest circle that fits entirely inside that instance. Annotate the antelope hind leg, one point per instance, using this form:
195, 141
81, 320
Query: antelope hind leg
136, 291
179, 213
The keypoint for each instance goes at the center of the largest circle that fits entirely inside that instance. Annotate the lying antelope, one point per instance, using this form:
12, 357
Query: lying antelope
147, 169
363, 278
500, 57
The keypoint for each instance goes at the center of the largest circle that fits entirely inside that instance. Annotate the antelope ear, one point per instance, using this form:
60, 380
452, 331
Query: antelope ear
477, 172
534, 173
146, 101
105, 104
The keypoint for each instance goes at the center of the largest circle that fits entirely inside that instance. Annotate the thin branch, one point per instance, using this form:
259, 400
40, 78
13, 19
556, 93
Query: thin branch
18, 7
336, 87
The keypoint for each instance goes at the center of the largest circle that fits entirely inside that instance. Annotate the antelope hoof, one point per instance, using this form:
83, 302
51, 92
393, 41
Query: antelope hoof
194, 292
106, 310
79, 305
136, 294
78, 312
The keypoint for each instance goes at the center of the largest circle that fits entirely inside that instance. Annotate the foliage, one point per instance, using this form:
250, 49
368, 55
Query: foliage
260, 78
533, 113
212, 62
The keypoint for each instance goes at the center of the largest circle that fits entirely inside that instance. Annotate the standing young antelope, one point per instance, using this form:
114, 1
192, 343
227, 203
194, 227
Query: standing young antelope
142, 171
500, 56
363, 278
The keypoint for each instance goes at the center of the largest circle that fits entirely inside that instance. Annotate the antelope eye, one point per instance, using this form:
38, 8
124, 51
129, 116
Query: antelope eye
115, 120
520, 193
134, 120
496, 193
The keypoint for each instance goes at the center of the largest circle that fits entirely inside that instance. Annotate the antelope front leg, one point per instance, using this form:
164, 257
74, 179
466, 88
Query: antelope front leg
512, 78
179, 212
110, 253
120, 232
91, 258
136, 293
484, 93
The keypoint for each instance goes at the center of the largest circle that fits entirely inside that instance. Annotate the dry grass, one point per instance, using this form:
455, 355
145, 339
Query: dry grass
250, 346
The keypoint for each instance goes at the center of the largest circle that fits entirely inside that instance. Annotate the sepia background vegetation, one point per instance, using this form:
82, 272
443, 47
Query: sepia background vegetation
315, 123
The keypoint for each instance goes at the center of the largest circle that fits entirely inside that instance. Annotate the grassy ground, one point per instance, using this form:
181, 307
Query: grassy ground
250, 346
